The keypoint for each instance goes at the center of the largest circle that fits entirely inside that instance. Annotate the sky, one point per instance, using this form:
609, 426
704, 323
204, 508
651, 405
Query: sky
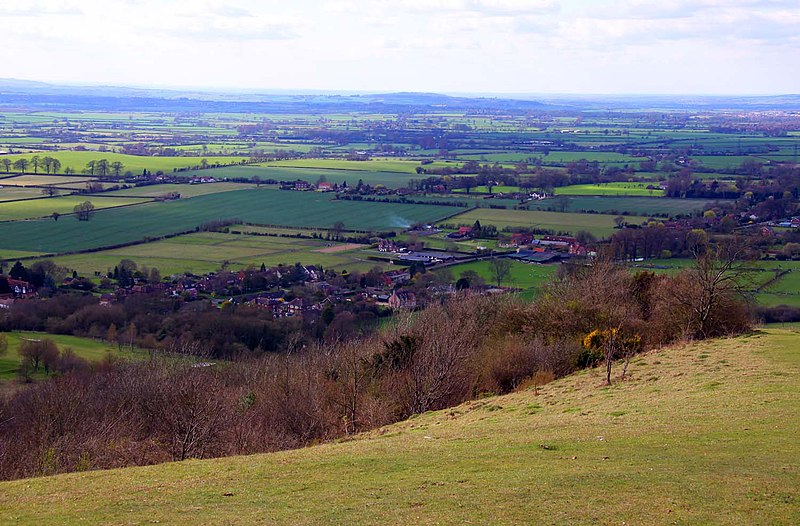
446, 46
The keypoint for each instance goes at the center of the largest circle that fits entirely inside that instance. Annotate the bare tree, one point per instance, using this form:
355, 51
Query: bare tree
500, 269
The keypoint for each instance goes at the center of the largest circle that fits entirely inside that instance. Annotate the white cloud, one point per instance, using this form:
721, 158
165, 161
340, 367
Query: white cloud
426, 45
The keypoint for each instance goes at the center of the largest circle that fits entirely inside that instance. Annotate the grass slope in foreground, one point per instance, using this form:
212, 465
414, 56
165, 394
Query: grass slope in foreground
702, 433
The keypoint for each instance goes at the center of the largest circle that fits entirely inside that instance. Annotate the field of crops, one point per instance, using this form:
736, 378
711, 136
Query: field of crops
209, 251
34, 208
264, 206
600, 225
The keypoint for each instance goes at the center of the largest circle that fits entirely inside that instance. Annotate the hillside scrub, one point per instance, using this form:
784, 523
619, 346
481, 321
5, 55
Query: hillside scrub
124, 413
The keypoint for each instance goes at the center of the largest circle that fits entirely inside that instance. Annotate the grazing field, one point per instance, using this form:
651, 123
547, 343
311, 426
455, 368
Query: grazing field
12, 193
86, 348
34, 208
644, 206
702, 433
611, 189
524, 276
784, 291
186, 190
598, 224
210, 251
498, 189
372, 165
312, 175
44, 180
77, 160
269, 207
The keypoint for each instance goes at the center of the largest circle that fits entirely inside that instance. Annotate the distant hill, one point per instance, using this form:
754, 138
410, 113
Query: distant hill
702, 433
38, 95
23, 94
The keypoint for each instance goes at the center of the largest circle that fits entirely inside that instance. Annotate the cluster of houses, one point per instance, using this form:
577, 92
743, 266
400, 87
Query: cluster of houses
226, 288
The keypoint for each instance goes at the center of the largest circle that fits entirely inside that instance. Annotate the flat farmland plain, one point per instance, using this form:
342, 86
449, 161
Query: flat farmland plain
264, 206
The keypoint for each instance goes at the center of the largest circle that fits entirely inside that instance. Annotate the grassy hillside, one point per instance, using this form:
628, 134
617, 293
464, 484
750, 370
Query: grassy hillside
702, 433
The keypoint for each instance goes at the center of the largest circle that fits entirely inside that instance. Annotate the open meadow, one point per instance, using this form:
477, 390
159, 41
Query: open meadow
612, 189
34, 208
77, 160
86, 348
598, 224
210, 251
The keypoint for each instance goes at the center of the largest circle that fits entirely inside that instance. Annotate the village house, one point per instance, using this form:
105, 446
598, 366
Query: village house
402, 299
462, 233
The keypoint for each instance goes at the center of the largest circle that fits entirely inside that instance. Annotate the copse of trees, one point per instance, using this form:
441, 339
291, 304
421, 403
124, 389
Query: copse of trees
145, 412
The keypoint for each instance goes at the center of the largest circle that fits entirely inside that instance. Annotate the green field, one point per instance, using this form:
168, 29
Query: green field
312, 175
611, 189
786, 290
87, 348
644, 206
34, 208
207, 252
270, 207
77, 160
186, 190
12, 193
526, 276
373, 165
598, 224
45, 180
703, 433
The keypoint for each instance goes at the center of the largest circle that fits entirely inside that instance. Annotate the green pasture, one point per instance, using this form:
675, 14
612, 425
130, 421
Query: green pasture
186, 190
526, 276
12, 193
312, 175
264, 206
205, 252
86, 348
45, 180
372, 165
611, 189
34, 208
77, 160
598, 224
642, 206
